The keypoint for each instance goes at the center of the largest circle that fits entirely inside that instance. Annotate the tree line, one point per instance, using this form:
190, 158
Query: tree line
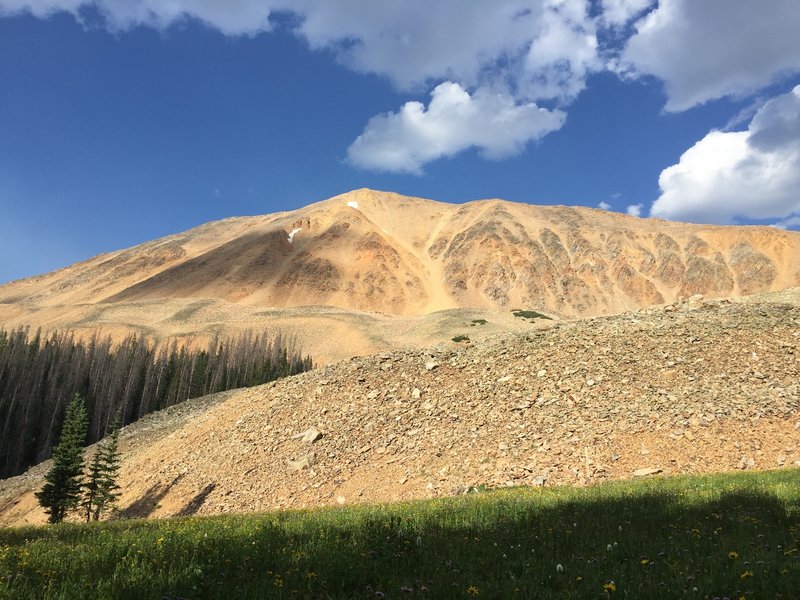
40, 374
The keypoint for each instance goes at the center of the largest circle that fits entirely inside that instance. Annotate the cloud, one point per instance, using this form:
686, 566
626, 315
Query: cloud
39, 8
545, 48
635, 210
498, 61
529, 50
231, 17
752, 174
604, 205
709, 49
562, 53
417, 41
789, 223
454, 121
618, 12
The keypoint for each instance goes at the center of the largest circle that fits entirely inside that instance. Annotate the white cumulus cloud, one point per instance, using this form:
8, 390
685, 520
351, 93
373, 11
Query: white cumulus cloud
604, 205
789, 223
543, 46
417, 41
619, 12
708, 49
562, 53
532, 50
453, 121
635, 210
752, 174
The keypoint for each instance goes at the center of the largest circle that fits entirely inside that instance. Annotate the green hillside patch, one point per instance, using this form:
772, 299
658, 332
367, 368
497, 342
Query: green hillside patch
685, 537
529, 314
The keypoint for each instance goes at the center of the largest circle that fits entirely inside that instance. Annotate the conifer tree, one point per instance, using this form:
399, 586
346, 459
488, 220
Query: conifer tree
62, 489
101, 488
39, 374
92, 487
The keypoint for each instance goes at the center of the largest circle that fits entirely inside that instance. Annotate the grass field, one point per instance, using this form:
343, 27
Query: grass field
734, 536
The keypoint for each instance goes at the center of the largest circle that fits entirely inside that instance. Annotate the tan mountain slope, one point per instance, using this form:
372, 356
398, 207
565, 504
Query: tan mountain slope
370, 252
383, 252
698, 386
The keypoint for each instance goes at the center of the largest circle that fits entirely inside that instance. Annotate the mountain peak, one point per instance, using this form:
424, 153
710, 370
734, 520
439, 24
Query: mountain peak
381, 252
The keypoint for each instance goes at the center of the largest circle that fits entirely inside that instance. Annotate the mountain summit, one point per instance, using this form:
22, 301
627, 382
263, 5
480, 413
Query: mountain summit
383, 252
380, 252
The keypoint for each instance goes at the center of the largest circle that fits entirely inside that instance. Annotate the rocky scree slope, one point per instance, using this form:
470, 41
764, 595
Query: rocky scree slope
689, 387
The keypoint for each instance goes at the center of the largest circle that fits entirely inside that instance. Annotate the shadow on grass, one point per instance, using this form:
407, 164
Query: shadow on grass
742, 544
710, 537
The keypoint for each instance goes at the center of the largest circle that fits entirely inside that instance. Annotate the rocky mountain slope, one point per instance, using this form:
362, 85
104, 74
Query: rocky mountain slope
693, 386
375, 252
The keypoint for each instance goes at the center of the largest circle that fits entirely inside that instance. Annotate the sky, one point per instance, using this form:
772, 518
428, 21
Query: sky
122, 121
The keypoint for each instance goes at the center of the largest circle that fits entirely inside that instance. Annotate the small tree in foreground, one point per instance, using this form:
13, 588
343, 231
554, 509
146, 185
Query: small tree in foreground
62, 489
100, 490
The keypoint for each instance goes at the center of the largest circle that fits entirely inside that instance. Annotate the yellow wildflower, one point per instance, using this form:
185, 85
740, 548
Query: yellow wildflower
473, 591
746, 575
610, 587
733, 554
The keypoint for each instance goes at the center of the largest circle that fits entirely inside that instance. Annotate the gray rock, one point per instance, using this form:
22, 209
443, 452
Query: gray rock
304, 462
647, 471
747, 462
311, 435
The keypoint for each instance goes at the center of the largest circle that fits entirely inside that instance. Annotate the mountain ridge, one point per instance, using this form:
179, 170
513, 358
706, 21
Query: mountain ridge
404, 257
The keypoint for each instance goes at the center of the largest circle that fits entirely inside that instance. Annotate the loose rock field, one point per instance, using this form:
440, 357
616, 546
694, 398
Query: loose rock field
696, 386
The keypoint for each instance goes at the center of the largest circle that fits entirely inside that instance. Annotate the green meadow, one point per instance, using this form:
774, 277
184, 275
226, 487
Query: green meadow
722, 536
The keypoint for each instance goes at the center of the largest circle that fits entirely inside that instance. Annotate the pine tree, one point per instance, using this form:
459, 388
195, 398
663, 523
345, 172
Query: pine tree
92, 487
101, 488
39, 374
62, 489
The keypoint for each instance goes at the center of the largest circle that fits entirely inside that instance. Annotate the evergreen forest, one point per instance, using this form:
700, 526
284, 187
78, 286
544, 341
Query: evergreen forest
40, 374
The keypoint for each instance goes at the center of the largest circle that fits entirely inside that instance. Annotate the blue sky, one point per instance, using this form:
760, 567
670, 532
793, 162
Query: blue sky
121, 122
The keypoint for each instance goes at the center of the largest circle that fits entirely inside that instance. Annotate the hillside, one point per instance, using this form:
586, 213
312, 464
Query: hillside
692, 387
379, 260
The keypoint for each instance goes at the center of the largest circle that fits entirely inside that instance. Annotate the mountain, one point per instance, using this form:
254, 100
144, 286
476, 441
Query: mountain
690, 387
673, 348
398, 270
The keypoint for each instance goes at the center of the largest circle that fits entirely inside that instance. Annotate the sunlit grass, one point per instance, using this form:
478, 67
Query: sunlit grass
686, 537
